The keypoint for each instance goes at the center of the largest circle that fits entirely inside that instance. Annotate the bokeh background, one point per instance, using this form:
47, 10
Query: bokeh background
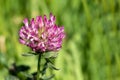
91, 49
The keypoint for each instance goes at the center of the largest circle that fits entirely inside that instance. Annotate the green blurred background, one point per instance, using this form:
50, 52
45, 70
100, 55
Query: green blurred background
91, 50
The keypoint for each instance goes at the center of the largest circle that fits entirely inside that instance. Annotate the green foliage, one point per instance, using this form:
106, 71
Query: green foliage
91, 50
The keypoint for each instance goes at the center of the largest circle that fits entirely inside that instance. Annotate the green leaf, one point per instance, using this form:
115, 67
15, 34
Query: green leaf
50, 64
53, 67
48, 60
10, 77
50, 54
44, 68
48, 78
29, 54
23, 75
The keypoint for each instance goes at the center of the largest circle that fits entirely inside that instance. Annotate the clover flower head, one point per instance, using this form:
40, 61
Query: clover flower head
42, 34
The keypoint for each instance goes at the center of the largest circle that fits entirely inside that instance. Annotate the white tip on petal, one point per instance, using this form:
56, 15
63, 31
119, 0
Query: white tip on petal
25, 21
52, 18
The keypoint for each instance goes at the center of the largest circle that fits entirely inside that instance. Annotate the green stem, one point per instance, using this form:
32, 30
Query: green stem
38, 66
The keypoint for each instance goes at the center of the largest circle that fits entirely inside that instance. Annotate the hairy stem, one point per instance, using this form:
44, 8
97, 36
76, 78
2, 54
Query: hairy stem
38, 66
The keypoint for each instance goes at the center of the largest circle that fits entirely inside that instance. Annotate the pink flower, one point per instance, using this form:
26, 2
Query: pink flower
42, 34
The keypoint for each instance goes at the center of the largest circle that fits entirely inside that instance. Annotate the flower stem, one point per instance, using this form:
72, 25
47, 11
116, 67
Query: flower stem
38, 66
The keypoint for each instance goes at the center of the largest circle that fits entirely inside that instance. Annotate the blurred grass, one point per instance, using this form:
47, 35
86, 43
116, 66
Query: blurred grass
91, 50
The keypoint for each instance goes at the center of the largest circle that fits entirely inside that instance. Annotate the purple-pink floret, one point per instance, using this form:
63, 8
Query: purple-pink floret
42, 34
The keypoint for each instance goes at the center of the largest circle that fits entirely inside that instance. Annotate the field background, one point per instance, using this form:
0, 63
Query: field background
91, 50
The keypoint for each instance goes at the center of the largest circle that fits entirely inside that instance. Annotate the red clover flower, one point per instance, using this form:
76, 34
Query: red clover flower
42, 34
